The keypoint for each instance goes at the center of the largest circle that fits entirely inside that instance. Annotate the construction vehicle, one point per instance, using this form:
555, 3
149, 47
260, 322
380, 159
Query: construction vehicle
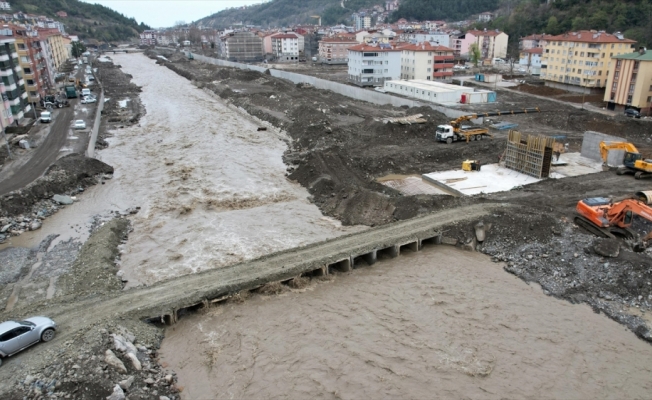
605, 218
633, 162
471, 165
455, 131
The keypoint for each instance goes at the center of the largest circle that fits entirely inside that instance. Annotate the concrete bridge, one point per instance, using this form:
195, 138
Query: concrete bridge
163, 302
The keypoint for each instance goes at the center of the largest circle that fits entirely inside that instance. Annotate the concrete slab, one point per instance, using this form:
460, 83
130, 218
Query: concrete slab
492, 178
591, 147
495, 178
574, 164
413, 185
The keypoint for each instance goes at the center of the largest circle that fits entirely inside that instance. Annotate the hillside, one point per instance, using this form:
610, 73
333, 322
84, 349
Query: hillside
279, 13
84, 19
631, 17
448, 10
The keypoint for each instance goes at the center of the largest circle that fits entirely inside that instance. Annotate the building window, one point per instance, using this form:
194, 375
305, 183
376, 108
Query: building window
649, 99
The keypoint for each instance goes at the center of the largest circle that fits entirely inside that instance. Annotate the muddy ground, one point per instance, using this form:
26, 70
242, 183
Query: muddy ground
340, 147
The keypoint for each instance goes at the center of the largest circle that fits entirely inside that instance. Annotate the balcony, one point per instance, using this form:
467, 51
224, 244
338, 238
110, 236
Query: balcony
444, 65
439, 74
444, 58
28, 76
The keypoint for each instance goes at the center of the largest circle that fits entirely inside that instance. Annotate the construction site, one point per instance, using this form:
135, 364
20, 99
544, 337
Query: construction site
262, 237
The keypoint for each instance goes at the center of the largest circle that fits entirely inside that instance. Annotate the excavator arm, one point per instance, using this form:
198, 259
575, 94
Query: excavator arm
606, 146
618, 213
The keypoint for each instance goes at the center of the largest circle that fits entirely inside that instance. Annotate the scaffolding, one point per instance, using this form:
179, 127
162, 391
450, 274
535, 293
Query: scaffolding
531, 156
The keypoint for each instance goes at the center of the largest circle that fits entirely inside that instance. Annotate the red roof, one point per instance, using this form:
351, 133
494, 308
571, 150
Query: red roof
590, 37
284, 36
534, 50
536, 36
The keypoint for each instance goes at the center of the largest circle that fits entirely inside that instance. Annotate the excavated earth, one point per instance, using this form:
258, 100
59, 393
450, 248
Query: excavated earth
341, 146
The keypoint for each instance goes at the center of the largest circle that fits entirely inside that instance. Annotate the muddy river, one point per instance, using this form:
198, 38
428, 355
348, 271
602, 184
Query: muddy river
440, 323
212, 189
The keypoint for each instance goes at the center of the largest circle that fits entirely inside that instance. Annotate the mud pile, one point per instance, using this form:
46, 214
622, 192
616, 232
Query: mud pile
123, 107
68, 175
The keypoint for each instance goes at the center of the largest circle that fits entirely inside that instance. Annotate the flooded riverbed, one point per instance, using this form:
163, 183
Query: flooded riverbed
438, 323
211, 188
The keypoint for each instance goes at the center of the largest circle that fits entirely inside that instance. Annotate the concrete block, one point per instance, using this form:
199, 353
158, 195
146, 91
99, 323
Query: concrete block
591, 148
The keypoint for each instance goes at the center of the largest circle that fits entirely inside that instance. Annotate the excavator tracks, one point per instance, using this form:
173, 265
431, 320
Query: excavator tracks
588, 226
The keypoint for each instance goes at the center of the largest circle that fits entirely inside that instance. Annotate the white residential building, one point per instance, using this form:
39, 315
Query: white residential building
285, 46
373, 65
426, 62
4, 5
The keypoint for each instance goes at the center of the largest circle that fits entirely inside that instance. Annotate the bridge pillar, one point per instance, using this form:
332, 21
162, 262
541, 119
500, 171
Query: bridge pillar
171, 319
371, 258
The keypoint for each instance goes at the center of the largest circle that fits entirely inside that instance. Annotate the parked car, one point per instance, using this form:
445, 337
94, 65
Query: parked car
17, 336
88, 100
80, 124
630, 112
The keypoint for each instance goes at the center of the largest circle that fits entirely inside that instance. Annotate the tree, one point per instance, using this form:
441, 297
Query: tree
474, 54
78, 49
553, 25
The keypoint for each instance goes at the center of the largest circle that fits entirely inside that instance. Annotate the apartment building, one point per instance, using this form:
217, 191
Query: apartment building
426, 62
13, 105
533, 41
361, 21
335, 50
492, 43
284, 46
432, 37
32, 63
629, 84
580, 61
148, 37
372, 65
243, 47
531, 58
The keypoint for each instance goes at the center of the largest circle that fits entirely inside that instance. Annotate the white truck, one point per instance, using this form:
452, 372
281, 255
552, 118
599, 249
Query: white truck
455, 131
46, 117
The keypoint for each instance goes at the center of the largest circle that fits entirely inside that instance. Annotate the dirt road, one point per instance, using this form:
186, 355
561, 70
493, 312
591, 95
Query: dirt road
43, 156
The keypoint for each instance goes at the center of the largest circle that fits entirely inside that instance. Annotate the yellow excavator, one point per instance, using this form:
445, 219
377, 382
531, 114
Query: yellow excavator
633, 161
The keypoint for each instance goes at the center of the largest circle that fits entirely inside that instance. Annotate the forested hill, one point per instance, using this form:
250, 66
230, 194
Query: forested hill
84, 19
631, 17
279, 13
447, 10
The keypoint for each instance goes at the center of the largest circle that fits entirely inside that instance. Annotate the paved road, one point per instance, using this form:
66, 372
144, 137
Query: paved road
44, 155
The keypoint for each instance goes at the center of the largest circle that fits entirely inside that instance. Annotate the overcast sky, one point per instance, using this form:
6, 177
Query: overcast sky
164, 13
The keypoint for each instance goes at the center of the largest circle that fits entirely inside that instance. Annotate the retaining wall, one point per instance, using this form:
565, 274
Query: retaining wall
340, 88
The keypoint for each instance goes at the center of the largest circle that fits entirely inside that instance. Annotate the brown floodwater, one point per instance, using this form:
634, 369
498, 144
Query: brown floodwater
440, 323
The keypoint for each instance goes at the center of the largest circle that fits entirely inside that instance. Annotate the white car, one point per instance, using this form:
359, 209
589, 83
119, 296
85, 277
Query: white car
80, 124
16, 336
88, 99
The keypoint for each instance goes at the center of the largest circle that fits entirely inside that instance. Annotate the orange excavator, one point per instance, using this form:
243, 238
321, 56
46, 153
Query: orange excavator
605, 218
